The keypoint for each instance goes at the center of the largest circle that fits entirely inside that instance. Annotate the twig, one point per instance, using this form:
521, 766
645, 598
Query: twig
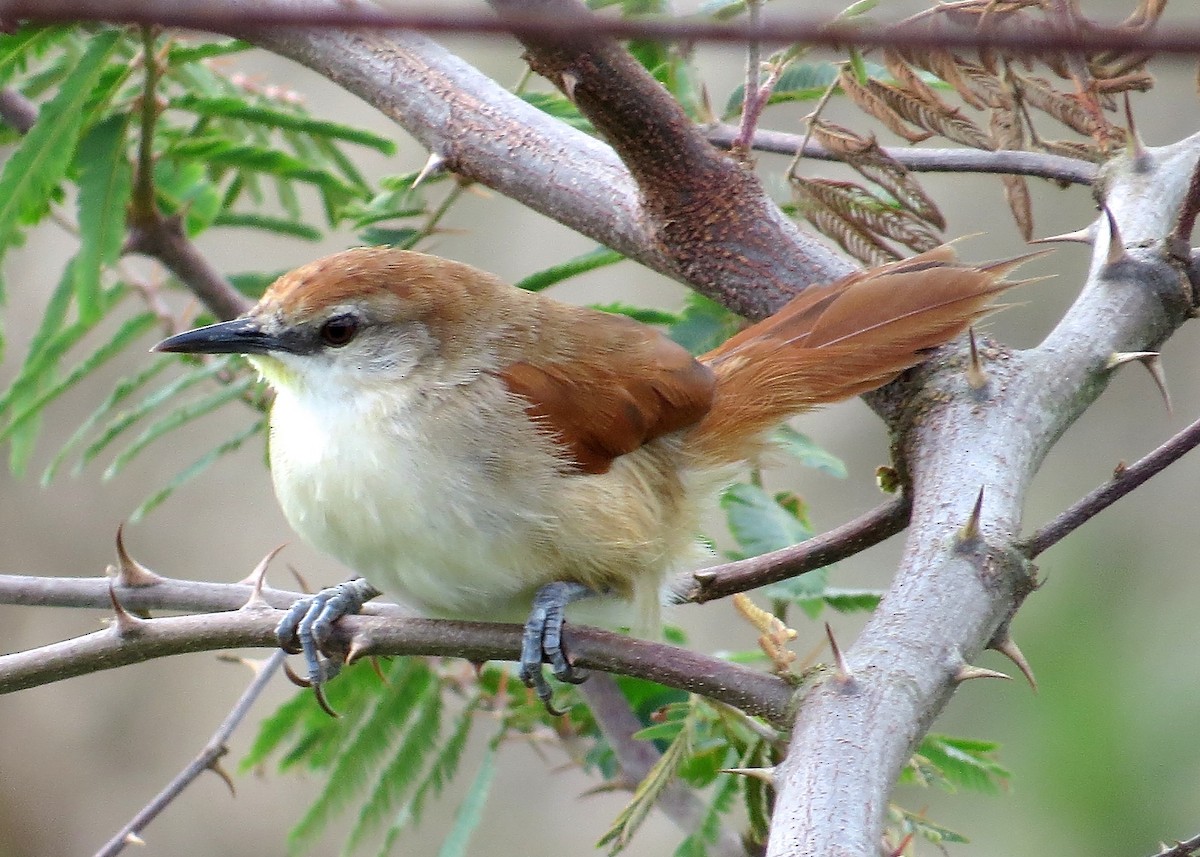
219, 15
16, 110
1124, 480
618, 724
1187, 848
206, 760
859, 534
135, 640
1038, 164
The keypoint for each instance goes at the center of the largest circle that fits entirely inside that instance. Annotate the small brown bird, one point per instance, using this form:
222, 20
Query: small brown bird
474, 449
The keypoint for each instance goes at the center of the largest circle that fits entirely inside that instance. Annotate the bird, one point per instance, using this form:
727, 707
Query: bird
483, 452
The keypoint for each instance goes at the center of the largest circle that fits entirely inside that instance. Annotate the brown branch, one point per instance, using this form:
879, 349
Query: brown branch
706, 212
1038, 164
164, 239
850, 538
136, 640
1124, 480
218, 15
17, 111
206, 760
1187, 848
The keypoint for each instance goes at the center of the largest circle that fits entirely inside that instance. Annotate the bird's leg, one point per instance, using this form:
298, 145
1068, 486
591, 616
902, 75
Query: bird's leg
306, 626
543, 638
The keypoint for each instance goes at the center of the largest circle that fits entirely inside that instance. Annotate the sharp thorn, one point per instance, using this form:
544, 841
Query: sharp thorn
255, 665
126, 624
967, 672
358, 647
256, 579
1119, 358
215, 767
976, 376
132, 838
378, 670
1079, 236
300, 581
1154, 366
767, 775
843, 669
433, 165
567, 82
1008, 647
130, 572
704, 576
1116, 246
970, 531
1135, 145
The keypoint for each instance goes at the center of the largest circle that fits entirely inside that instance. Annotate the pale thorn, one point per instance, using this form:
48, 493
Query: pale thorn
125, 623
300, 581
130, 572
133, 839
1087, 235
360, 644
1152, 360
433, 165
767, 775
568, 81
1116, 245
1135, 145
704, 575
976, 375
215, 767
970, 531
256, 579
1008, 647
967, 672
843, 669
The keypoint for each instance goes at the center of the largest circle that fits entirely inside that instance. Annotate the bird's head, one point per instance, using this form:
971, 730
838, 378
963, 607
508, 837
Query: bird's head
363, 317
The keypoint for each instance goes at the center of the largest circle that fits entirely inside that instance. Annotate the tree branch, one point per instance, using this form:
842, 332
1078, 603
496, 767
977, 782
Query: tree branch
963, 160
962, 578
133, 640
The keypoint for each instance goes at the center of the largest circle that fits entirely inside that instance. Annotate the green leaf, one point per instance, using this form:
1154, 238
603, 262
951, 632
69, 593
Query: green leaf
470, 813
33, 171
194, 469
402, 772
802, 448
128, 418
403, 238
130, 330
560, 107
182, 187
911, 822
31, 40
175, 419
267, 223
703, 325
759, 522
589, 261
236, 108
637, 313
123, 390
221, 152
105, 184
852, 600
364, 753
964, 762
184, 54
799, 82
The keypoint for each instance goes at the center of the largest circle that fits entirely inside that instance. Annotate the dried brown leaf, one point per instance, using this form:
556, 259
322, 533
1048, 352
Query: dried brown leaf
1074, 149
1016, 192
1008, 132
867, 212
873, 164
870, 102
861, 245
936, 117
1037, 92
1138, 81
944, 65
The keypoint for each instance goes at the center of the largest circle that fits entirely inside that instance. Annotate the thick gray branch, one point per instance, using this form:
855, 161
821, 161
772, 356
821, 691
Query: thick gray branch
956, 590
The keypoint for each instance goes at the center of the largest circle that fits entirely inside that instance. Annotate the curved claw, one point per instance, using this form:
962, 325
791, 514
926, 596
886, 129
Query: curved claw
307, 626
543, 640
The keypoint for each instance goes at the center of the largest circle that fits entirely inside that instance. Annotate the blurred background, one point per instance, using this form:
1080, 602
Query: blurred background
1105, 757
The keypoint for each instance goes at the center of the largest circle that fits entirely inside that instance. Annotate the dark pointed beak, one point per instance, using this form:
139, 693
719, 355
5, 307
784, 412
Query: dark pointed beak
239, 336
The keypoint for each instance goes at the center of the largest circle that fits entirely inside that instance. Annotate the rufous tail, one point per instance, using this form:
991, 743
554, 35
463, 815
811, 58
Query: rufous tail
835, 341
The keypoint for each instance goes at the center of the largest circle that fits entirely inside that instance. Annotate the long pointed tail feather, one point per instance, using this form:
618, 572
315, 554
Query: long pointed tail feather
840, 340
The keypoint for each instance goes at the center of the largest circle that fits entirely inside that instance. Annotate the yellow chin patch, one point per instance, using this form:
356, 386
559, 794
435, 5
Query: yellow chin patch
272, 369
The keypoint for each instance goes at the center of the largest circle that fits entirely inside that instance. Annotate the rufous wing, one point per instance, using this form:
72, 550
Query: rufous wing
623, 392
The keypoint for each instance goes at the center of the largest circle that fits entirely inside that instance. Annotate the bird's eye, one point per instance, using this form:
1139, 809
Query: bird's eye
339, 330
